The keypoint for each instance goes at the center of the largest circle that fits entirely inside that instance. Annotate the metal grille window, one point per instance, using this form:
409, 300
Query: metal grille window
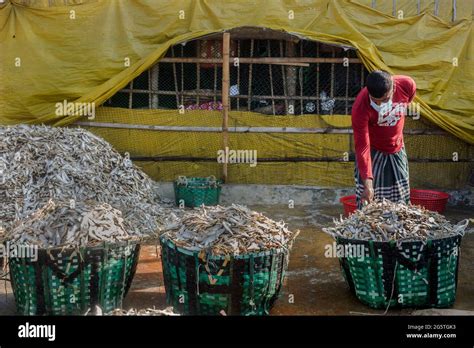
273, 73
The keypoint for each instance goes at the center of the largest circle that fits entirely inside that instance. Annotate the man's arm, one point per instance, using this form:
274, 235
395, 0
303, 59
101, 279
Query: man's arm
360, 126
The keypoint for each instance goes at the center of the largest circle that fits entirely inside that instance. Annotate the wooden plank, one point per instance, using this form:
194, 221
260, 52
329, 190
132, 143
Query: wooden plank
284, 159
245, 129
210, 94
263, 60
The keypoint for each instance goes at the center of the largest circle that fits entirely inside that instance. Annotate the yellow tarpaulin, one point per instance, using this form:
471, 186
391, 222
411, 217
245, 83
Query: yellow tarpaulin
51, 52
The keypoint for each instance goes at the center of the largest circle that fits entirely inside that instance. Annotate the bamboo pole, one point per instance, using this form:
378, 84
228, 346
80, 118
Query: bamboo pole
271, 77
155, 86
300, 76
175, 78
283, 78
130, 101
238, 74
225, 99
332, 75
182, 76
215, 83
249, 98
291, 75
149, 88
317, 78
198, 72
347, 87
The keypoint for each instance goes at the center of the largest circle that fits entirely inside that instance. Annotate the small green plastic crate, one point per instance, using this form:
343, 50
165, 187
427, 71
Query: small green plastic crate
200, 284
197, 191
411, 274
73, 281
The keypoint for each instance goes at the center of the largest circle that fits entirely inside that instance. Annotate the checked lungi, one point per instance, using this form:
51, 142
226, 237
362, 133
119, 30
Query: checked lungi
391, 177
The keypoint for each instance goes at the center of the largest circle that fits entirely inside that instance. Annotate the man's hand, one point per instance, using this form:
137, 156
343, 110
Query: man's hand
368, 194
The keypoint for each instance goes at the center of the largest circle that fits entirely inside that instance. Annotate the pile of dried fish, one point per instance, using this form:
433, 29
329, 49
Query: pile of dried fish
66, 224
38, 163
153, 312
228, 230
384, 221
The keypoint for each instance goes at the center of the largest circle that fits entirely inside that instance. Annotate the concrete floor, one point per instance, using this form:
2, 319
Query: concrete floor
314, 281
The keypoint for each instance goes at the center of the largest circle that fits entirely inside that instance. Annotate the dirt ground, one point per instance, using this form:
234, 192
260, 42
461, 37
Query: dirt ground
314, 281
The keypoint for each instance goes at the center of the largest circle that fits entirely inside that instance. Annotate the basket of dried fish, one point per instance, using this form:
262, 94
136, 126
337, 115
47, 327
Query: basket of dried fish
394, 254
225, 260
70, 258
193, 192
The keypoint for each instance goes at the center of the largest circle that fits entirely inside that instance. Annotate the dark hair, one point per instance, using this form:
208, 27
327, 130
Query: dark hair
379, 82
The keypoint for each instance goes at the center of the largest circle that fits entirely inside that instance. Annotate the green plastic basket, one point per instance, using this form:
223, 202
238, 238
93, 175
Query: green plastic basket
412, 274
72, 281
197, 191
199, 284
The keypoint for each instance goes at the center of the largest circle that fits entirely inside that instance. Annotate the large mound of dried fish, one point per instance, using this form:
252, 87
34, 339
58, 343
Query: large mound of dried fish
228, 230
153, 312
38, 163
66, 224
385, 221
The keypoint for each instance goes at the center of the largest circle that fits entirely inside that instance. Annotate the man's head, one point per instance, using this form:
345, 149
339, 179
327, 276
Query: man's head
380, 86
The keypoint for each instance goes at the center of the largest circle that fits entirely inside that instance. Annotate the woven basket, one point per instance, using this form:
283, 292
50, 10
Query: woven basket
412, 274
72, 281
197, 284
197, 191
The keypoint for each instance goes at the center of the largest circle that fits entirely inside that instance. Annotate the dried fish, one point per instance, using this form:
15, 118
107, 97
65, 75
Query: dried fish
58, 224
38, 163
228, 230
384, 221
143, 312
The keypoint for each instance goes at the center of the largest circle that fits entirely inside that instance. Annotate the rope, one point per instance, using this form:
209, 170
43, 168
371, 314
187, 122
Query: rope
393, 288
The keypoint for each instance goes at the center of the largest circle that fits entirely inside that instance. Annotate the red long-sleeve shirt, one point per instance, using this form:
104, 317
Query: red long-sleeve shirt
384, 133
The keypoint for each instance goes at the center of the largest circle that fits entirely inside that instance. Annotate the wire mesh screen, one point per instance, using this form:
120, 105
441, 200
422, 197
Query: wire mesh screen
274, 77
